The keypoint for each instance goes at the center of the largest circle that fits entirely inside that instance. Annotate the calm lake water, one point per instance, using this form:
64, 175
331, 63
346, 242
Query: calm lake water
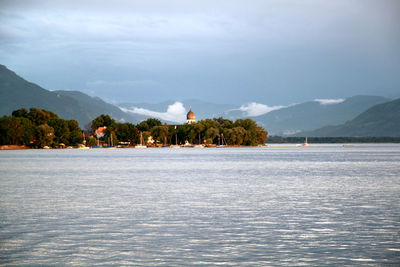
328, 205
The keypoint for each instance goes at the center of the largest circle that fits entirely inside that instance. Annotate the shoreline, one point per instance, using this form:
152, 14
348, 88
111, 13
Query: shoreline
13, 147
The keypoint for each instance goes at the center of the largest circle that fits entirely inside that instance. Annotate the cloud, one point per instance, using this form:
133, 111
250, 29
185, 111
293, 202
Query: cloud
256, 109
329, 101
175, 112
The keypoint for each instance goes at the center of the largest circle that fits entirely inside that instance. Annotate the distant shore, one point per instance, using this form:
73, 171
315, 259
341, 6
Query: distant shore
330, 140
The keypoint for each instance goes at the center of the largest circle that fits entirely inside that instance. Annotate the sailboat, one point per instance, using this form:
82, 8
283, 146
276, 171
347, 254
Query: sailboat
221, 141
306, 143
176, 141
199, 145
111, 144
165, 142
141, 142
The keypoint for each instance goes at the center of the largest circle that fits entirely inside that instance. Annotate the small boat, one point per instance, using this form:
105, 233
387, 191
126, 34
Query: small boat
305, 143
141, 142
198, 146
187, 144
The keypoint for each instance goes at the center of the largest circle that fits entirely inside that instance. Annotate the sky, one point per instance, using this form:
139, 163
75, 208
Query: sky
269, 52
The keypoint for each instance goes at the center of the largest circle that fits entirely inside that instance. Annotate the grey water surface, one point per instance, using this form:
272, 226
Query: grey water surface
327, 205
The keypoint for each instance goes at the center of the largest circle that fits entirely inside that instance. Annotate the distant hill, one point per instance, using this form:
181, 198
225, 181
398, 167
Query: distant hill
313, 114
95, 105
381, 120
16, 93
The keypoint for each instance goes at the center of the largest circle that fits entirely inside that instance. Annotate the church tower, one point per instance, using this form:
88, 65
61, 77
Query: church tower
191, 118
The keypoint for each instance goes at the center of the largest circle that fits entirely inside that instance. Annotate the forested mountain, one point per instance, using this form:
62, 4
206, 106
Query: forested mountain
95, 105
381, 120
16, 93
313, 114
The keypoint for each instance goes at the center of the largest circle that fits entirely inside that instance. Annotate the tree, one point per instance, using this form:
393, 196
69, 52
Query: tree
148, 124
61, 130
211, 134
40, 116
126, 132
159, 133
21, 131
20, 113
153, 122
75, 136
261, 135
239, 135
102, 120
143, 126
16, 131
5, 130
92, 142
44, 135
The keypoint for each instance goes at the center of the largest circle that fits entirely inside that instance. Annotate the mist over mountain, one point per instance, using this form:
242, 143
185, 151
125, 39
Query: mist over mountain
381, 120
316, 114
176, 110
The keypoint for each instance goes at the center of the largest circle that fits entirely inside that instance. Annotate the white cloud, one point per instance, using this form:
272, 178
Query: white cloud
329, 101
175, 112
256, 109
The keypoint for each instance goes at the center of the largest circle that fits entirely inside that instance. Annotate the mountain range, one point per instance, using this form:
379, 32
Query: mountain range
316, 114
358, 115
380, 120
16, 93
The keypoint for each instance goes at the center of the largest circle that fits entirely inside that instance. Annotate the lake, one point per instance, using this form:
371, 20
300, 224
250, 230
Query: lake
261, 206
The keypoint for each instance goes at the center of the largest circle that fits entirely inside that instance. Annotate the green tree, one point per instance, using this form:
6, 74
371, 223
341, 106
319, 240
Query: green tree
16, 131
5, 130
153, 122
126, 132
211, 134
143, 126
61, 130
44, 135
92, 142
75, 136
20, 113
103, 120
21, 131
40, 116
239, 135
160, 133
182, 132
148, 124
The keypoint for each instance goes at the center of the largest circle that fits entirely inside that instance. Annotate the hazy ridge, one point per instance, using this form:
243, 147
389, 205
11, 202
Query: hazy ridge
354, 116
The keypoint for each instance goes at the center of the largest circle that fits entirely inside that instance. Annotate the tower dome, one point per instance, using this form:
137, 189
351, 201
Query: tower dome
191, 118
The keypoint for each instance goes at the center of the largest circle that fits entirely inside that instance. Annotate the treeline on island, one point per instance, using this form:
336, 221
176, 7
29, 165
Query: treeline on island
209, 131
39, 128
